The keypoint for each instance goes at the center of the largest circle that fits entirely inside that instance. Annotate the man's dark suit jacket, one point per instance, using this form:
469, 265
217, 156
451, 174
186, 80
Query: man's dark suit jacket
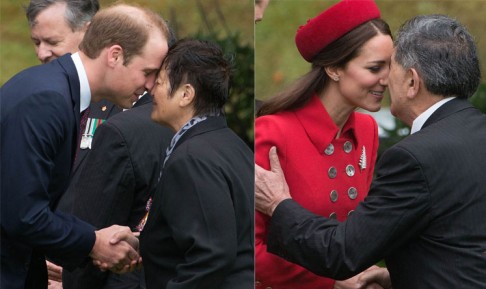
199, 232
115, 182
101, 110
39, 129
424, 213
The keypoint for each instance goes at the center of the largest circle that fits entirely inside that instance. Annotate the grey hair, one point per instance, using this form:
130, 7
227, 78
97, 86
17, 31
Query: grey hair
443, 53
78, 12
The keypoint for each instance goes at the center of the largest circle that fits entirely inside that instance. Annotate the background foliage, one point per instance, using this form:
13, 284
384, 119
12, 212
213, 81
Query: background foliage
226, 22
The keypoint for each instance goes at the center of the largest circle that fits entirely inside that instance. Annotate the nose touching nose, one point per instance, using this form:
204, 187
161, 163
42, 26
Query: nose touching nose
150, 82
384, 77
384, 80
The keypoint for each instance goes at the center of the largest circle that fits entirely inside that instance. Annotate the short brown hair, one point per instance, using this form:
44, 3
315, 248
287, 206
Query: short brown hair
126, 25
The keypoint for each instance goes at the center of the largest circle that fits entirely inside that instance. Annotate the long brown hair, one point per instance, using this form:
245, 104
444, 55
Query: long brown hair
337, 54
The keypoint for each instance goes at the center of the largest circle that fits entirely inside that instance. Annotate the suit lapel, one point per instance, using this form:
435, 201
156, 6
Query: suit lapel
447, 109
146, 98
102, 109
69, 68
210, 124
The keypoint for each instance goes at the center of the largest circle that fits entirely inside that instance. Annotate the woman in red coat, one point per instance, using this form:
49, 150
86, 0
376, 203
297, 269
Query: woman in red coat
327, 149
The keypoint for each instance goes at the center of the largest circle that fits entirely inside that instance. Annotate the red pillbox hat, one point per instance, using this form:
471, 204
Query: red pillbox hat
333, 23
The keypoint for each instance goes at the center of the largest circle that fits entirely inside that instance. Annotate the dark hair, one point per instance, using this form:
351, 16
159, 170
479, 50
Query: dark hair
443, 53
337, 54
78, 12
126, 25
203, 65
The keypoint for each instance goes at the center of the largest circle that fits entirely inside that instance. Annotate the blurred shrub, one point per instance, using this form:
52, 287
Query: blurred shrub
394, 135
479, 98
239, 108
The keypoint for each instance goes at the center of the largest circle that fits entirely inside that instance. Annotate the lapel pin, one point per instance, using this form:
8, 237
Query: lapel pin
362, 159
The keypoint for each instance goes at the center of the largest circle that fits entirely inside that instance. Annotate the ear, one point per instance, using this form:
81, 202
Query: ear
332, 72
187, 95
85, 26
413, 83
114, 55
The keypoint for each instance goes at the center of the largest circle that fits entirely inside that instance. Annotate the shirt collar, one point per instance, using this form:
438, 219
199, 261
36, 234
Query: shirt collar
422, 118
85, 91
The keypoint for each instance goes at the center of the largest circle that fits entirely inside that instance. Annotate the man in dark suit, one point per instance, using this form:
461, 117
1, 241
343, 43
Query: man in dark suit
40, 118
199, 231
423, 210
114, 185
56, 28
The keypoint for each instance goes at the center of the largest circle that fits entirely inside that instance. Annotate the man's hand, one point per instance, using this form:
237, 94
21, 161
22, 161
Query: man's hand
270, 186
116, 249
376, 275
358, 282
132, 239
54, 272
54, 285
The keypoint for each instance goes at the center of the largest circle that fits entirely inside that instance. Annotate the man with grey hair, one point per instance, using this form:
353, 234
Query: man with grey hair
58, 26
421, 214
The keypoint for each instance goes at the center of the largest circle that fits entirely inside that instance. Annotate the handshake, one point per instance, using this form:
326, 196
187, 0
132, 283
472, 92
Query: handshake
116, 249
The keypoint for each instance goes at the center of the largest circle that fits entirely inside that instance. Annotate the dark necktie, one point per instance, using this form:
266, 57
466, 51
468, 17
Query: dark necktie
82, 128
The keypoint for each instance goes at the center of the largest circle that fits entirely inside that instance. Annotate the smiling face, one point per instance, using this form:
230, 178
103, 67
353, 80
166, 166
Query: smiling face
52, 35
166, 109
363, 81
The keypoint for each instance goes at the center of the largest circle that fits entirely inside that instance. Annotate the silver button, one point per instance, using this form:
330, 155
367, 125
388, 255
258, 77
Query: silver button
334, 196
347, 147
350, 170
350, 213
258, 283
333, 215
352, 193
329, 150
332, 172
